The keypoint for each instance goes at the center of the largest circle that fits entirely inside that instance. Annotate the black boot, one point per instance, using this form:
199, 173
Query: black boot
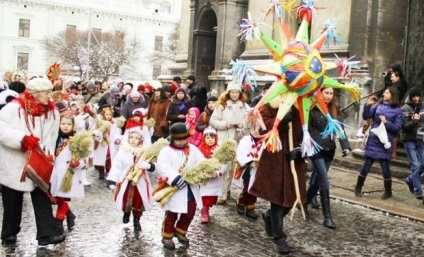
325, 203
387, 189
126, 217
70, 220
307, 214
267, 220
251, 214
59, 225
101, 170
136, 222
277, 214
359, 184
315, 204
241, 209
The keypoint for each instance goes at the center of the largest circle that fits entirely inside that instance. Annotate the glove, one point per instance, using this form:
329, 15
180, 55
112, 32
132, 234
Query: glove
111, 187
98, 136
345, 152
295, 154
29, 143
180, 183
74, 163
145, 165
117, 141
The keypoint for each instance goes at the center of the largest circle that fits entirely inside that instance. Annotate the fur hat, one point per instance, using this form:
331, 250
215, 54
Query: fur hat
233, 86
134, 94
39, 84
179, 131
209, 130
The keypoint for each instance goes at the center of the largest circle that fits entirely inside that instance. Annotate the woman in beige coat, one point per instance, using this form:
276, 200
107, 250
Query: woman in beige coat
226, 119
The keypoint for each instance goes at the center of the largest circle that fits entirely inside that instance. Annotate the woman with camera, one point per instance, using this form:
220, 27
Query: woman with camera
226, 119
321, 161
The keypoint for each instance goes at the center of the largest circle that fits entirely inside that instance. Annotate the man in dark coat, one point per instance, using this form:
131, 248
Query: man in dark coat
197, 93
274, 180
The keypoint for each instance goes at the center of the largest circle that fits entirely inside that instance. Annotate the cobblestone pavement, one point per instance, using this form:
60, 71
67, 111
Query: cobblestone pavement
99, 232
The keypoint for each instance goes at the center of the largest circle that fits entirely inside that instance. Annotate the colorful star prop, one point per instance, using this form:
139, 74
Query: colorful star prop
300, 73
54, 72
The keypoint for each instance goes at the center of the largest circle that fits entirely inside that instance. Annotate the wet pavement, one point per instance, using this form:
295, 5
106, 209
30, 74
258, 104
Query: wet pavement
360, 231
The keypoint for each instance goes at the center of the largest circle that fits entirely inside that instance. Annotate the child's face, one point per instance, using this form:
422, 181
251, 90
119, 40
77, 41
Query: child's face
210, 139
74, 108
254, 133
134, 139
211, 105
191, 115
180, 142
136, 118
108, 116
66, 125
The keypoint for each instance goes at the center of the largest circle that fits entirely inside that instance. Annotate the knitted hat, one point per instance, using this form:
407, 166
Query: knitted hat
191, 77
211, 98
233, 86
17, 86
179, 131
90, 84
140, 87
126, 88
180, 89
148, 87
114, 90
134, 94
415, 91
39, 84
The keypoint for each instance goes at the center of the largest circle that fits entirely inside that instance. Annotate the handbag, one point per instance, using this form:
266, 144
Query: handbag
38, 167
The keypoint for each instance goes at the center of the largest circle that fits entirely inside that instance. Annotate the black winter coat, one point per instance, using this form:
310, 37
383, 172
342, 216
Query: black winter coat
176, 108
198, 95
410, 129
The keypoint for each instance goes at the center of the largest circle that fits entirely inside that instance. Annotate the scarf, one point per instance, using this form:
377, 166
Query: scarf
30, 106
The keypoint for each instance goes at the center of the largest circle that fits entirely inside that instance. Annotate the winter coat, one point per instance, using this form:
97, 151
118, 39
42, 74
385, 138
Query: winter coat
374, 148
93, 98
121, 164
157, 111
61, 164
409, 128
317, 124
13, 128
198, 95
178, 107
129, 106
401, 87
100, 153
274, 180
169, 162
203, 121
234, 113
195, 137
115, 102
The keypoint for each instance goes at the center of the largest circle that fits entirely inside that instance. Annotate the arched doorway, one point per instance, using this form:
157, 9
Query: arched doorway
205, 46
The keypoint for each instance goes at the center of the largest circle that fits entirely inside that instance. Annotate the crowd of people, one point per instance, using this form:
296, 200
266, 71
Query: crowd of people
123, 121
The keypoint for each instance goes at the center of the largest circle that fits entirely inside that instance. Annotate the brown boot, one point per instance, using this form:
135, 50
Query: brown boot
182, 239
168, 243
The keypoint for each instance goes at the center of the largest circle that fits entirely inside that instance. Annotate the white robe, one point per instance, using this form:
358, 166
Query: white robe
120, 166
169, 162
101, 151
61, 165
247, 151
214, 186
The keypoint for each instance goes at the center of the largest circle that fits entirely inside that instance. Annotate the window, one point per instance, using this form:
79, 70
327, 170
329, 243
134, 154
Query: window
22, 63
158, 43
24, 27
156, 71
